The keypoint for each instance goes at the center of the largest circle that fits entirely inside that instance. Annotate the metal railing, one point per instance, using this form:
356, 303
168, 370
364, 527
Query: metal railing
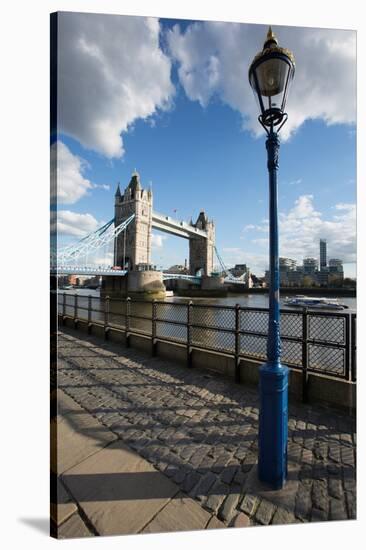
312, 341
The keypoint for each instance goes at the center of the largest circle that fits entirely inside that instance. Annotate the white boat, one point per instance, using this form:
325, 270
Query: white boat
313, 302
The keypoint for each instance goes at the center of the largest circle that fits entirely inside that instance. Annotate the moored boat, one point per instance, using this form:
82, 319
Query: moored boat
314, 302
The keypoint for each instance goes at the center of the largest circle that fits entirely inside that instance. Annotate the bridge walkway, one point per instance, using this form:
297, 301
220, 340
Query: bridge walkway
196, 430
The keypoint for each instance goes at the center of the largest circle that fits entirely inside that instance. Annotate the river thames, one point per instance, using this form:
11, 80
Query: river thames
244, 300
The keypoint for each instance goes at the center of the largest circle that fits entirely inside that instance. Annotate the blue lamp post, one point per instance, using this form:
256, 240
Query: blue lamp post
270, 75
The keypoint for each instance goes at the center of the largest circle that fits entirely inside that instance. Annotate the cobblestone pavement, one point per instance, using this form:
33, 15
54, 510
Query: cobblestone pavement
200, 430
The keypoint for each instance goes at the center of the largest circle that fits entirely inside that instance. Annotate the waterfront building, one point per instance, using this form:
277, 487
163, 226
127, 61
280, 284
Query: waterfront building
295, 277
323, 254
310, 265
335, 266
287, 267
177, 269
239, 270
287, 264
323, 276
336, 274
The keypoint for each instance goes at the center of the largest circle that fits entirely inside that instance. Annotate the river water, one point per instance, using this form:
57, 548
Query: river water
244, 300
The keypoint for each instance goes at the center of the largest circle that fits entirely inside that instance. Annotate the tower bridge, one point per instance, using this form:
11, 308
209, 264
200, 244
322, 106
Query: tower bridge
133, 247
130, 232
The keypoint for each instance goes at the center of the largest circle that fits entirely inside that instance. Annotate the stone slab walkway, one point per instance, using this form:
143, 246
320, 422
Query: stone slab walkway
105, 488
173, 448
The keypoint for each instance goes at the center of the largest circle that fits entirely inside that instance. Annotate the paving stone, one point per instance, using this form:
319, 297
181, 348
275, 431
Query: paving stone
241, 520
334, 452
109, 486
319, 515
215, 523
73, 528
64, 507
78, 435
240, 477
347, 456
294, 452
265, 512
349, 483
320, 450
335, 488
180, 476
346, 439
180, 514
306, 473
282, 517
319, 471
216, 497
203, 487
307, 457
337, 510
320, 495
249, 504
333, 468
351, 504
190, 481
229, 473
227, 510
249, 461
303, 503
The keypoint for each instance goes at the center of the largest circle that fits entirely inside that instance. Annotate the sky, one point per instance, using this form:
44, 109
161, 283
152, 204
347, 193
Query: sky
171, 98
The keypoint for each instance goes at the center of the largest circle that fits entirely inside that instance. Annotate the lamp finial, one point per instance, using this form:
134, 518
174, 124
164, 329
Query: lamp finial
271, 38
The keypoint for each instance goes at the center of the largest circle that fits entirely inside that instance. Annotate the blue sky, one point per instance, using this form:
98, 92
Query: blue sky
177, 106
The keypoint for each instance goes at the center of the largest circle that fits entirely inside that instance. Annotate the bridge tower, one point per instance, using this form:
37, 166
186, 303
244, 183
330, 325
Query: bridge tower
201, 250
132, 248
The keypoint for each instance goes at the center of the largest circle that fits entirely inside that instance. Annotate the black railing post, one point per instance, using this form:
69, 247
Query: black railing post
353, 348
305, 374
127, 333
89, 313
189, 334
75, 310
237, 343
64, 308
348, 346
153, 328
106, 317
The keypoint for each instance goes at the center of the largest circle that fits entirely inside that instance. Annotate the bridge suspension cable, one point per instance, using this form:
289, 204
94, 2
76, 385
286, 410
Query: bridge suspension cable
228, 275
97, 239
225, 270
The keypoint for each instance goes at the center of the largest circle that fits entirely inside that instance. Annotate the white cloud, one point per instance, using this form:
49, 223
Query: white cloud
157, 241
213, 61
69, 183
75, 224
111, 73
103, 186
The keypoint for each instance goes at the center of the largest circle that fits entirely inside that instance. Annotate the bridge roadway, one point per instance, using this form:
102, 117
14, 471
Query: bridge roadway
199, 433
92, 271
79, 270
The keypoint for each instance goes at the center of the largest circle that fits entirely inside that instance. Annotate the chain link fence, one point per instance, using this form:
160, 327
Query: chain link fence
319, 342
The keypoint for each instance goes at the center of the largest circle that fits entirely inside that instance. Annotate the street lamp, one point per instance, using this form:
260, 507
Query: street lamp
270, 75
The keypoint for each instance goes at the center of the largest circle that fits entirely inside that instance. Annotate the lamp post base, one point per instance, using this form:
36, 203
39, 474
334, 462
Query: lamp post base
273, 424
